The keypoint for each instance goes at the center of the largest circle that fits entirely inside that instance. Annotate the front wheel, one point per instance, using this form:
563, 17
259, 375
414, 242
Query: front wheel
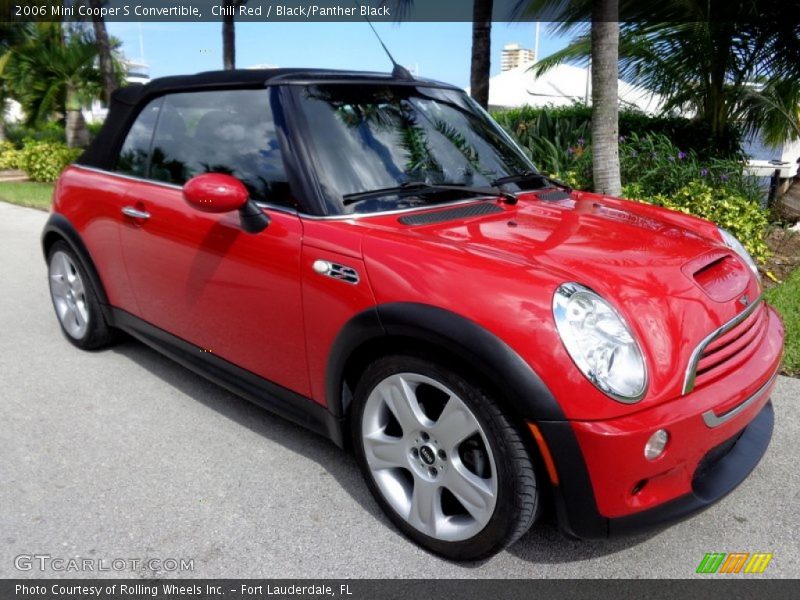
442, 459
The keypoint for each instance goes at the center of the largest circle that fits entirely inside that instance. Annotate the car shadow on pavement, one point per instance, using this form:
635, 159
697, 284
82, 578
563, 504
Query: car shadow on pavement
543, 544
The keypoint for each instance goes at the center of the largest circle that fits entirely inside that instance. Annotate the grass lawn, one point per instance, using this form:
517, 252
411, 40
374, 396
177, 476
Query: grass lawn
786, 298
26, 193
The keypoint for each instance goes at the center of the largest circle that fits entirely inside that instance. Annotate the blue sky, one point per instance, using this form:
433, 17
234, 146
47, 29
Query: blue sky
437, 50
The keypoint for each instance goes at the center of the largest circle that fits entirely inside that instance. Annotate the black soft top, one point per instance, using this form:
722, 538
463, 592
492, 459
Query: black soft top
127, 101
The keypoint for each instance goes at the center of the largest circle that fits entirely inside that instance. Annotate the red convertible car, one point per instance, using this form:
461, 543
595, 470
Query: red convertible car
374, 258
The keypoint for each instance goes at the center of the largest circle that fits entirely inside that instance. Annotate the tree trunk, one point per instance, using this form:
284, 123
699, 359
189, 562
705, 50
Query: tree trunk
481, 51
228, 38
605, 101
104, 52
76, 132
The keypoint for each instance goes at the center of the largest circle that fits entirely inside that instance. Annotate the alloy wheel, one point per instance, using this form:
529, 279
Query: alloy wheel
69, 295
429, 456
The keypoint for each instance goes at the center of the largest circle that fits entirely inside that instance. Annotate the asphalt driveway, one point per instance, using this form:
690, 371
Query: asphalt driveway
124, 454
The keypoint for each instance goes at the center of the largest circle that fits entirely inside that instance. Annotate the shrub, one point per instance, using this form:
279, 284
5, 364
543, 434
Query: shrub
554, 138
18, 133
9, 156
659, 166
44, 161
685, 133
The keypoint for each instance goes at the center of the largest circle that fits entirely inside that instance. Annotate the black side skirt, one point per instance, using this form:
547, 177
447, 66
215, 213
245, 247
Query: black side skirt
248, 385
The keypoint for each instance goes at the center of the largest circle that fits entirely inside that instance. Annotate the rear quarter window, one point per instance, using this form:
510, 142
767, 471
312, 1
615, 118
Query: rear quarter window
135, 152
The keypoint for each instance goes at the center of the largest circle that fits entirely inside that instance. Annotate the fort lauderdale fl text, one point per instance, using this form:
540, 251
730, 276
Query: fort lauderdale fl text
309, 11
168, 589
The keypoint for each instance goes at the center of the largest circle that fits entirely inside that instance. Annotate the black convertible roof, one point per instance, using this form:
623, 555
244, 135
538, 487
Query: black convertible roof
125, 102
252, 78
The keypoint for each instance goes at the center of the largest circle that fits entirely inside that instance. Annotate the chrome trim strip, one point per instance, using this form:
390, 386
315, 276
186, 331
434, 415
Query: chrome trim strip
291, 211
691, 368
711, 419
174, 186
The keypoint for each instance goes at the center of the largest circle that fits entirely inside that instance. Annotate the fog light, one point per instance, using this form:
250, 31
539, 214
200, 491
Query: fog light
656, 444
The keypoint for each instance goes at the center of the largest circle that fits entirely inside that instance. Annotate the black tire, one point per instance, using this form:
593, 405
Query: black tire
517, 499
97, 333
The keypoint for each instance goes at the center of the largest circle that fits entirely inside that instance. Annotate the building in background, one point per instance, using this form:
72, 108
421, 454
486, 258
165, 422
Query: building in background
560, 86
515, 56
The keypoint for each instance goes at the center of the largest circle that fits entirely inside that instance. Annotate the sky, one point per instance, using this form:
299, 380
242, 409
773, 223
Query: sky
434, 50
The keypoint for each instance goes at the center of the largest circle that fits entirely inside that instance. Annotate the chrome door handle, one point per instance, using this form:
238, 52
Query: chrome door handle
130, 211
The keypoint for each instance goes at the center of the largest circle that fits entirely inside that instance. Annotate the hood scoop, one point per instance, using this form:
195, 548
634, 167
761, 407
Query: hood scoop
450, 214
720, 274
553, 196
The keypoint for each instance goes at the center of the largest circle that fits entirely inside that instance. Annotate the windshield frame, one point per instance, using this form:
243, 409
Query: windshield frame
304, 154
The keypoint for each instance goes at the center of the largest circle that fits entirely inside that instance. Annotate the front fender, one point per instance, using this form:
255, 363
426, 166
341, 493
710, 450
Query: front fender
464, 339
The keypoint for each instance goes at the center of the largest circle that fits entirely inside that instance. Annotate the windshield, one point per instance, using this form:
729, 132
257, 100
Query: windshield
367, 137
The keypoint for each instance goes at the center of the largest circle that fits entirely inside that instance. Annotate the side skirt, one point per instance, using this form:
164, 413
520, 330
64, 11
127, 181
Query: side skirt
277, 399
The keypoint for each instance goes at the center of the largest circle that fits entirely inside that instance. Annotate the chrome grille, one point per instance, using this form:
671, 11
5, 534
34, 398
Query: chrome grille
726, 348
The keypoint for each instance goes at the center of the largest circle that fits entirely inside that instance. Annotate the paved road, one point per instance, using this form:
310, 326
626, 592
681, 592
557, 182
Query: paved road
123, 454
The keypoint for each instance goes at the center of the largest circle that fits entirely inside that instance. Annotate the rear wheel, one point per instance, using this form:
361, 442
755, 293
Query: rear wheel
75, 300
442, 459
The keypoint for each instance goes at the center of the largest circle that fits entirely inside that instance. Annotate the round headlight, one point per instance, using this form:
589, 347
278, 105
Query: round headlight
731, 242
600, 342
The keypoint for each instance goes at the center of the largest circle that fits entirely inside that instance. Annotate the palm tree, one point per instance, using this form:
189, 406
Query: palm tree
104, 51
605, 99
742, 70
12, 38
51, 73
481, 51
229, 34
601, 43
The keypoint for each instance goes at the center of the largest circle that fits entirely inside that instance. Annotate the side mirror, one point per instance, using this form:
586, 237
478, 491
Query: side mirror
220, 193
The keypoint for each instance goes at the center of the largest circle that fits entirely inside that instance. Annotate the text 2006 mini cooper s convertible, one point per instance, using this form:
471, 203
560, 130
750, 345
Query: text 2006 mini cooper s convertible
372, 257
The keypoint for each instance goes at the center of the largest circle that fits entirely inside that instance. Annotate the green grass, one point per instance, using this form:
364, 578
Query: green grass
26, 193
786, 298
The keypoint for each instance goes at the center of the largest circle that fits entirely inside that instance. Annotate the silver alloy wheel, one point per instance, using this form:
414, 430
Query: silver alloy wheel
69, 295
413, 469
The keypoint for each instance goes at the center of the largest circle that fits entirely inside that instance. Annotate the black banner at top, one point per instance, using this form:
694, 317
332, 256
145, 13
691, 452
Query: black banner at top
391, 10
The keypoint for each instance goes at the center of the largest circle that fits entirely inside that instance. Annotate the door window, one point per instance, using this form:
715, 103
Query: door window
230, 132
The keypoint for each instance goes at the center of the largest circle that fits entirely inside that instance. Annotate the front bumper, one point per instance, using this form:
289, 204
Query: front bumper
718, 434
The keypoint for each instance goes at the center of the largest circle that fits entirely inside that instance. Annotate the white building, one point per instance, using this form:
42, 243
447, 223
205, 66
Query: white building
562, 85
515, 56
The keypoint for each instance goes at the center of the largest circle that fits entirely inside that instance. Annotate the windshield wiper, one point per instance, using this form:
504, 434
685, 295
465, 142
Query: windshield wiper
415, 187
530, 176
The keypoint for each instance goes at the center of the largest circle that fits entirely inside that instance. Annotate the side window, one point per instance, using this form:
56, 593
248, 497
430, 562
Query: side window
136, 149
230, 132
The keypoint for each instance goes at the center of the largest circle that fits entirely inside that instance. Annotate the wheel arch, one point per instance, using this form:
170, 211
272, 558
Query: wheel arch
59, 228
440, 333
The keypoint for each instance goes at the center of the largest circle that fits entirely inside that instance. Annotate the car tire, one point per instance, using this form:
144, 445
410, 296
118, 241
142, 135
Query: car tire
75, 300
442, 458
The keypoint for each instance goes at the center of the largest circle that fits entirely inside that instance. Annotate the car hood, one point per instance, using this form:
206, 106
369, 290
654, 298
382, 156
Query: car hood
666, 272
593, 238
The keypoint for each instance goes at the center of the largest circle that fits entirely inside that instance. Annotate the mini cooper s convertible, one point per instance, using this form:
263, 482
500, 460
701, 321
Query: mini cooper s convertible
372, 257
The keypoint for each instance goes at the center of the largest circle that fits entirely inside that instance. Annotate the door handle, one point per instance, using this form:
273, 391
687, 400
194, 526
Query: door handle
130, 211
